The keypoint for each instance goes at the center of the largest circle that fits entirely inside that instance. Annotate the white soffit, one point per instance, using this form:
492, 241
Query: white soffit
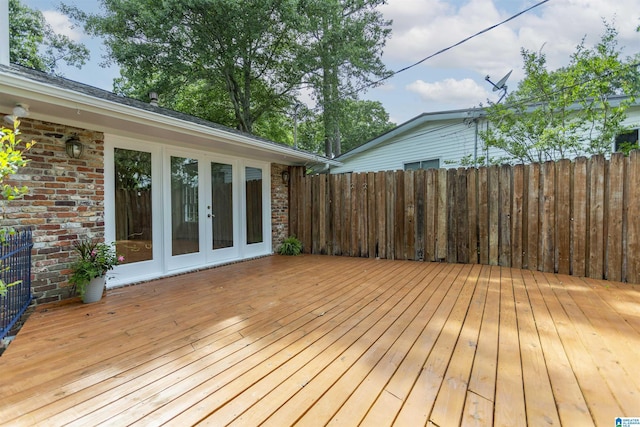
55, 104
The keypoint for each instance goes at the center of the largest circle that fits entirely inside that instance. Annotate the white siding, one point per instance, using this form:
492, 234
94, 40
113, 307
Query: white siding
446, 140
449, 141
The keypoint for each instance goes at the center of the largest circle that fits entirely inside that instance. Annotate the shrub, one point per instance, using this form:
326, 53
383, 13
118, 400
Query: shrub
290, 246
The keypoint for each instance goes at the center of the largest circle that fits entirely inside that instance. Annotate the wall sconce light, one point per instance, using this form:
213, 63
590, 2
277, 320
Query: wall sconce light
285, 177
74, 147
20, 110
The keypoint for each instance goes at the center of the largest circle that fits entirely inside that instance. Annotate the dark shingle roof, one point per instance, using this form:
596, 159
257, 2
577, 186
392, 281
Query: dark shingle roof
92, 91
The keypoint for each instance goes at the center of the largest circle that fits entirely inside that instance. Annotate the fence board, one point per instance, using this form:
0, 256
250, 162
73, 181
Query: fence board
452, 216
517, 210
472, 217
409, 217
579, 215
504, 216
316, 203
533, 209
381, 211
633, 226
363, 214
575, 217
626, 217
483, 215
371, 209
400, 212
430, 236
615, 206
462, 232
547, 219
325, 209
441, 216
563, 215
494, 214
391, 215
354, 218
345, 235
336, 205
595, 266
420, 220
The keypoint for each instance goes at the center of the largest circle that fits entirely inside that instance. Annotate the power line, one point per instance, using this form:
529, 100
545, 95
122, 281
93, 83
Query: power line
441, 51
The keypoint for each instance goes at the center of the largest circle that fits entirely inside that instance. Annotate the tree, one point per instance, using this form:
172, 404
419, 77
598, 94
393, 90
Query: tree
211, 58
359, 122
34, 44
362, 121
344, 41
204, 48
567, 112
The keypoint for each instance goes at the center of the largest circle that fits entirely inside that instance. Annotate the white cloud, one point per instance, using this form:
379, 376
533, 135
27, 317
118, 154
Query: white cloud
457, 93
423, 27
62, 25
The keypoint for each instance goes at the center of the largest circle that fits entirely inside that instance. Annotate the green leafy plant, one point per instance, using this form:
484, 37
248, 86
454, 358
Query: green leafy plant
290, 246
95, 260
11, 159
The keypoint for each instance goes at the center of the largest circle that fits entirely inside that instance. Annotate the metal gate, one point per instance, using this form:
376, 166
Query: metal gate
15, 270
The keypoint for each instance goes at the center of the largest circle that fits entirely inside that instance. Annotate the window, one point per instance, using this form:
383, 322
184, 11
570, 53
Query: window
134, 237
184, 206
424, 164
253, 188
626, 141
222, 205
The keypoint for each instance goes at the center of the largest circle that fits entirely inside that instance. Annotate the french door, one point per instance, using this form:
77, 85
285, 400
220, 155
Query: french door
217, 210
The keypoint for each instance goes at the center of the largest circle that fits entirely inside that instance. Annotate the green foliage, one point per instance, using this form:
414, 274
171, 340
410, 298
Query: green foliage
343, 42
11, 159
237, 48
359, 122
243, 63
34, 44
290, 246
95, 259
567, 112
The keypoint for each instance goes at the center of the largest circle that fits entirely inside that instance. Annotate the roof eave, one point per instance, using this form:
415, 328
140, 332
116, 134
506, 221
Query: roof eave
19, 88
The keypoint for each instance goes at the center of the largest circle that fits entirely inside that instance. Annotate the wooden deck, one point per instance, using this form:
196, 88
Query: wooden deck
318, 340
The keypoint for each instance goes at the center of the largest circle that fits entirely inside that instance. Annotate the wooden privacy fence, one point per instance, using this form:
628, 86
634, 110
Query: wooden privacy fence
573, 217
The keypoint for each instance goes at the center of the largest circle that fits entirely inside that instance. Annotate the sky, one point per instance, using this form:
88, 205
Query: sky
454, 79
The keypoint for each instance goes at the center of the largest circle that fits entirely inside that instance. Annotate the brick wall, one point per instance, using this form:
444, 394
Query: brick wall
65, 202
279, 206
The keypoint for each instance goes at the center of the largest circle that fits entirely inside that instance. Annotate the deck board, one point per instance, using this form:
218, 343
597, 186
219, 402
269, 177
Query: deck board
317, 340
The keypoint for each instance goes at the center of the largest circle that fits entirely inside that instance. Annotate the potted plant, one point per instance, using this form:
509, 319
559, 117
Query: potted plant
90, 270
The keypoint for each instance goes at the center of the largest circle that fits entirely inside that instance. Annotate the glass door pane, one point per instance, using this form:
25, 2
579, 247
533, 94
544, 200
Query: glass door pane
253, 188
185, 223
221, 205
134, 237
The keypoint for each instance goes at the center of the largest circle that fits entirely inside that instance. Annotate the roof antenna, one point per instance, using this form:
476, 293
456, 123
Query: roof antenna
500, 86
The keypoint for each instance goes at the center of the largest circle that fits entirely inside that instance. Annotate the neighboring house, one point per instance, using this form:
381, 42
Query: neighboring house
176, 193
439, 140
